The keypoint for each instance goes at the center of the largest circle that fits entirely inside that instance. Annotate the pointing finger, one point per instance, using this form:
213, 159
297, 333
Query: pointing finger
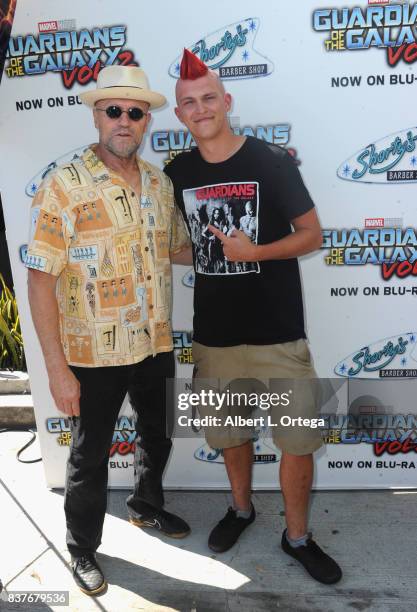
219, 234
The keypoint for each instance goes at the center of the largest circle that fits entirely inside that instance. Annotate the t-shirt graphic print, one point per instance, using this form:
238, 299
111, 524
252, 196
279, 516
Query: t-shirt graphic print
227, 206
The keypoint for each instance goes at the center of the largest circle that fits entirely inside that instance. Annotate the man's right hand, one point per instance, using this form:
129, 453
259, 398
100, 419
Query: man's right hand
65, 390
64, 386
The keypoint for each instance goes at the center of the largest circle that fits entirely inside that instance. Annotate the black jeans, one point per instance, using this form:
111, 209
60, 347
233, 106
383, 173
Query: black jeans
102, 393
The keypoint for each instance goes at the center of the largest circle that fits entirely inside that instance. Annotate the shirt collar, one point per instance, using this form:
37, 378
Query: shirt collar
100, 172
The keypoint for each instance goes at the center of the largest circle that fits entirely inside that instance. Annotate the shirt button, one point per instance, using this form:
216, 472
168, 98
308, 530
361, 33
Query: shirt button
141, 221
133, 194
146, 248
150, 306
149, 277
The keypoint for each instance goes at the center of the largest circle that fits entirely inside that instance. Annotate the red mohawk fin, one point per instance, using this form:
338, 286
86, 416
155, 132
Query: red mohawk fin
191, 67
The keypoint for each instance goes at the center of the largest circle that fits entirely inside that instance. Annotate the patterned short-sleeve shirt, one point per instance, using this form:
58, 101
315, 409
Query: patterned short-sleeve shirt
111, 251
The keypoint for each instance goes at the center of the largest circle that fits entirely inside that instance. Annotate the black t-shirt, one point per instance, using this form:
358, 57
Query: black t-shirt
258, 190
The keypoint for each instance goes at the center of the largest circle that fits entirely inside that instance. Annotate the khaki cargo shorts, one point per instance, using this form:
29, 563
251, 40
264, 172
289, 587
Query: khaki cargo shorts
280, 377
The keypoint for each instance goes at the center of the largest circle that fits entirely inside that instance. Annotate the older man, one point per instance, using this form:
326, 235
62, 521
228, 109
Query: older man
280, 225
105, 227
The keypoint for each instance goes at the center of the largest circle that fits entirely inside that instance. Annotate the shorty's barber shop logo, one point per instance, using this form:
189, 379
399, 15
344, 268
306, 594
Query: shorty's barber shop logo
389, 26
188, 280
263, 451
393, 159
77, 55
394, 357
230, 52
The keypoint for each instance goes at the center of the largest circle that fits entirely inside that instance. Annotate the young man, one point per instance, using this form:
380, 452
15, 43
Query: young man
105, 227
262, 183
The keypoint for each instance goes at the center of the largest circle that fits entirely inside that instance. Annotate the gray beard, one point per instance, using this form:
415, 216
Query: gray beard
124, 154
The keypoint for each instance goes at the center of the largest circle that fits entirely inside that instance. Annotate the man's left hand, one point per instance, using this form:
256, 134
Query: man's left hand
237, 246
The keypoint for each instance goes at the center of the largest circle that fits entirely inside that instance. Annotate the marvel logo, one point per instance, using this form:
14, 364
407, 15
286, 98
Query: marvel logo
378, 1
48, 26
375, 222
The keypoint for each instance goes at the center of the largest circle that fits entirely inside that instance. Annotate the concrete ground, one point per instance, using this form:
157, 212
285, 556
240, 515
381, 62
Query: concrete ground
372, 534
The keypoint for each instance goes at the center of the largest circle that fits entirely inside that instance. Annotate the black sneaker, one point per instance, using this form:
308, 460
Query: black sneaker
319, 565
165, 522
227, 531
88, 575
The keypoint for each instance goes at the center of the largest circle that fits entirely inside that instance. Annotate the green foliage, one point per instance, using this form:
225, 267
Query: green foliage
12, 354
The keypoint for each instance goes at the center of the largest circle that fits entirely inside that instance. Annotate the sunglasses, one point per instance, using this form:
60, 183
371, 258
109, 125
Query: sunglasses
114, 112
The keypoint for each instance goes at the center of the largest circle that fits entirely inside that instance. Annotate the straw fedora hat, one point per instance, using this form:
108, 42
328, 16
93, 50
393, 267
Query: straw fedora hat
128, 82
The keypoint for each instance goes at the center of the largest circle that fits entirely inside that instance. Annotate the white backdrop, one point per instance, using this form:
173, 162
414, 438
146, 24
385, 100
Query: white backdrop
345, 114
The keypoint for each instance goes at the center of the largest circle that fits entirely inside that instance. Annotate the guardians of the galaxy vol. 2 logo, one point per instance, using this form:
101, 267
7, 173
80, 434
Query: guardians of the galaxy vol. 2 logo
124, 435
78, 55
390, 434
394, 249
173, 142
392, 27
183, 345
